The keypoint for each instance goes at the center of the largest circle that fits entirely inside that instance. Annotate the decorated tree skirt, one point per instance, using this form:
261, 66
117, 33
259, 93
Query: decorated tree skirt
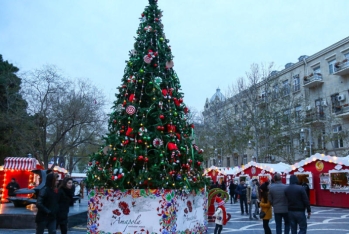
146, 211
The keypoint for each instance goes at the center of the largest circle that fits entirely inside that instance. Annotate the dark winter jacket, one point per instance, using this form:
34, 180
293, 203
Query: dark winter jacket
277, 197
232, 188
241, 189
12, 186
296, 196
47, 202
65, 197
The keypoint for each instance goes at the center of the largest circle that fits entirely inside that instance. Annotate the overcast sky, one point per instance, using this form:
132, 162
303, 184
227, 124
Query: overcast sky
213, 41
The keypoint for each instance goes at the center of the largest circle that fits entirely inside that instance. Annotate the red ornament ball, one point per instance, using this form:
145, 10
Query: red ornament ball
162, 117
140, 158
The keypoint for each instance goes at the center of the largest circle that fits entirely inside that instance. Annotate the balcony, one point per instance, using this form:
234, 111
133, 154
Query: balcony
315, 117
312, 80
262, 102
342, 68
342, 111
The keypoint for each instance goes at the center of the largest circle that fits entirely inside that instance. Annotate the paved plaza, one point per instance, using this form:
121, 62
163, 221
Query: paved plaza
324, 220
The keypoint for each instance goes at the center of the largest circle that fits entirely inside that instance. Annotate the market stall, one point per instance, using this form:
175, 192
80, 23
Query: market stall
215, 174
327, 178
262, 171
20, 169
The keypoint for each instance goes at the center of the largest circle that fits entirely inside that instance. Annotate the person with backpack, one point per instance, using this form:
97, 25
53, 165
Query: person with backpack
221, 216
241, 190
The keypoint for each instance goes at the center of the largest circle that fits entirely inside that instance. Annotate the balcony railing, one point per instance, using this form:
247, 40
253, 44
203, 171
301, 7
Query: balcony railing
342, 111
315, 117
313, 80
342, 69
262, 102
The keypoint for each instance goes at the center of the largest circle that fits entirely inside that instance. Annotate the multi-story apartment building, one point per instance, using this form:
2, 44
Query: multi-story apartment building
285, 115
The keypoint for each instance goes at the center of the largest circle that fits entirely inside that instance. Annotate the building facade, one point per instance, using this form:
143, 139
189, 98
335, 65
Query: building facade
286, 115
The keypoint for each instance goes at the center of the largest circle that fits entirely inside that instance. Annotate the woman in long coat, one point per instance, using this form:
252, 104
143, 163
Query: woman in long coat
47, 205
65, 196
266, 207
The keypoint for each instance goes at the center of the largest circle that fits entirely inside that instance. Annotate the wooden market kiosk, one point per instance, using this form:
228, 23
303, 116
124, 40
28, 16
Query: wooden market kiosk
21, 168
215, 174
328, 179
262, 171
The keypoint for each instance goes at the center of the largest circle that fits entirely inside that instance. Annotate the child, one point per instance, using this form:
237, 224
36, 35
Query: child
221, 216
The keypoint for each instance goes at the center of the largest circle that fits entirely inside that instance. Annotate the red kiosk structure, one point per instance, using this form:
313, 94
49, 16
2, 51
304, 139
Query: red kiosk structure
327, 177
262, 171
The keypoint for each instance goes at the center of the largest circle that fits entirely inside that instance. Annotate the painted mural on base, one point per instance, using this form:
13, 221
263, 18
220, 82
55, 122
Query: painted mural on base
146, 211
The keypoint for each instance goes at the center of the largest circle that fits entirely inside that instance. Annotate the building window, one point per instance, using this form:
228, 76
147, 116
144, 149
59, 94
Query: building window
285, 87
275, 91
236, 108
296, 83
286, 117
244, 106
320, 140
243, 122
346, 56
335, 103
337, 138
317, 70
331, 68
228, 161
319, 108
244, 159
206, 162
236, 161
276, 118
298, 113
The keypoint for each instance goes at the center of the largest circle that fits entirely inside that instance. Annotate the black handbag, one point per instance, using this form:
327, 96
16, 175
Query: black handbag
261, 214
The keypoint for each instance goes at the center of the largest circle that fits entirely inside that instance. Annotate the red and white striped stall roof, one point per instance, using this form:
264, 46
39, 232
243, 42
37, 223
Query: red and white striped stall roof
18, 163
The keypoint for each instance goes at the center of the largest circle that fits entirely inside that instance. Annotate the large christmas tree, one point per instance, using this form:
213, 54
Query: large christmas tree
150, 141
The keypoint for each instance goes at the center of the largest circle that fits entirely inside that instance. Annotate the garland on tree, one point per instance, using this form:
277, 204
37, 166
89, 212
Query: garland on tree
150, 141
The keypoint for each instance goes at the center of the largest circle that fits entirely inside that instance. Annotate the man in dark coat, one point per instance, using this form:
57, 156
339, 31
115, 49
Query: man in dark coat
12, 187
278, 200
232, 188
298, 201
241, 190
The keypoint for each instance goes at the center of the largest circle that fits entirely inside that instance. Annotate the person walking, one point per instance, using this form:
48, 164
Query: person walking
82, 187
278, 201
47, 205
222, 185
232, 193
221, 216
265, 207
252, 198
241, 190
12, 187
298, 202
65, 196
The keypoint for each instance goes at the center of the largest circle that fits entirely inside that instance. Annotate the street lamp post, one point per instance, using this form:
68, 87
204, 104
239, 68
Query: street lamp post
302, 134
255, 148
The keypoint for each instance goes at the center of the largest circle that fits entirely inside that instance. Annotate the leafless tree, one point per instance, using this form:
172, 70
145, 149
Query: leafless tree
67, 114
